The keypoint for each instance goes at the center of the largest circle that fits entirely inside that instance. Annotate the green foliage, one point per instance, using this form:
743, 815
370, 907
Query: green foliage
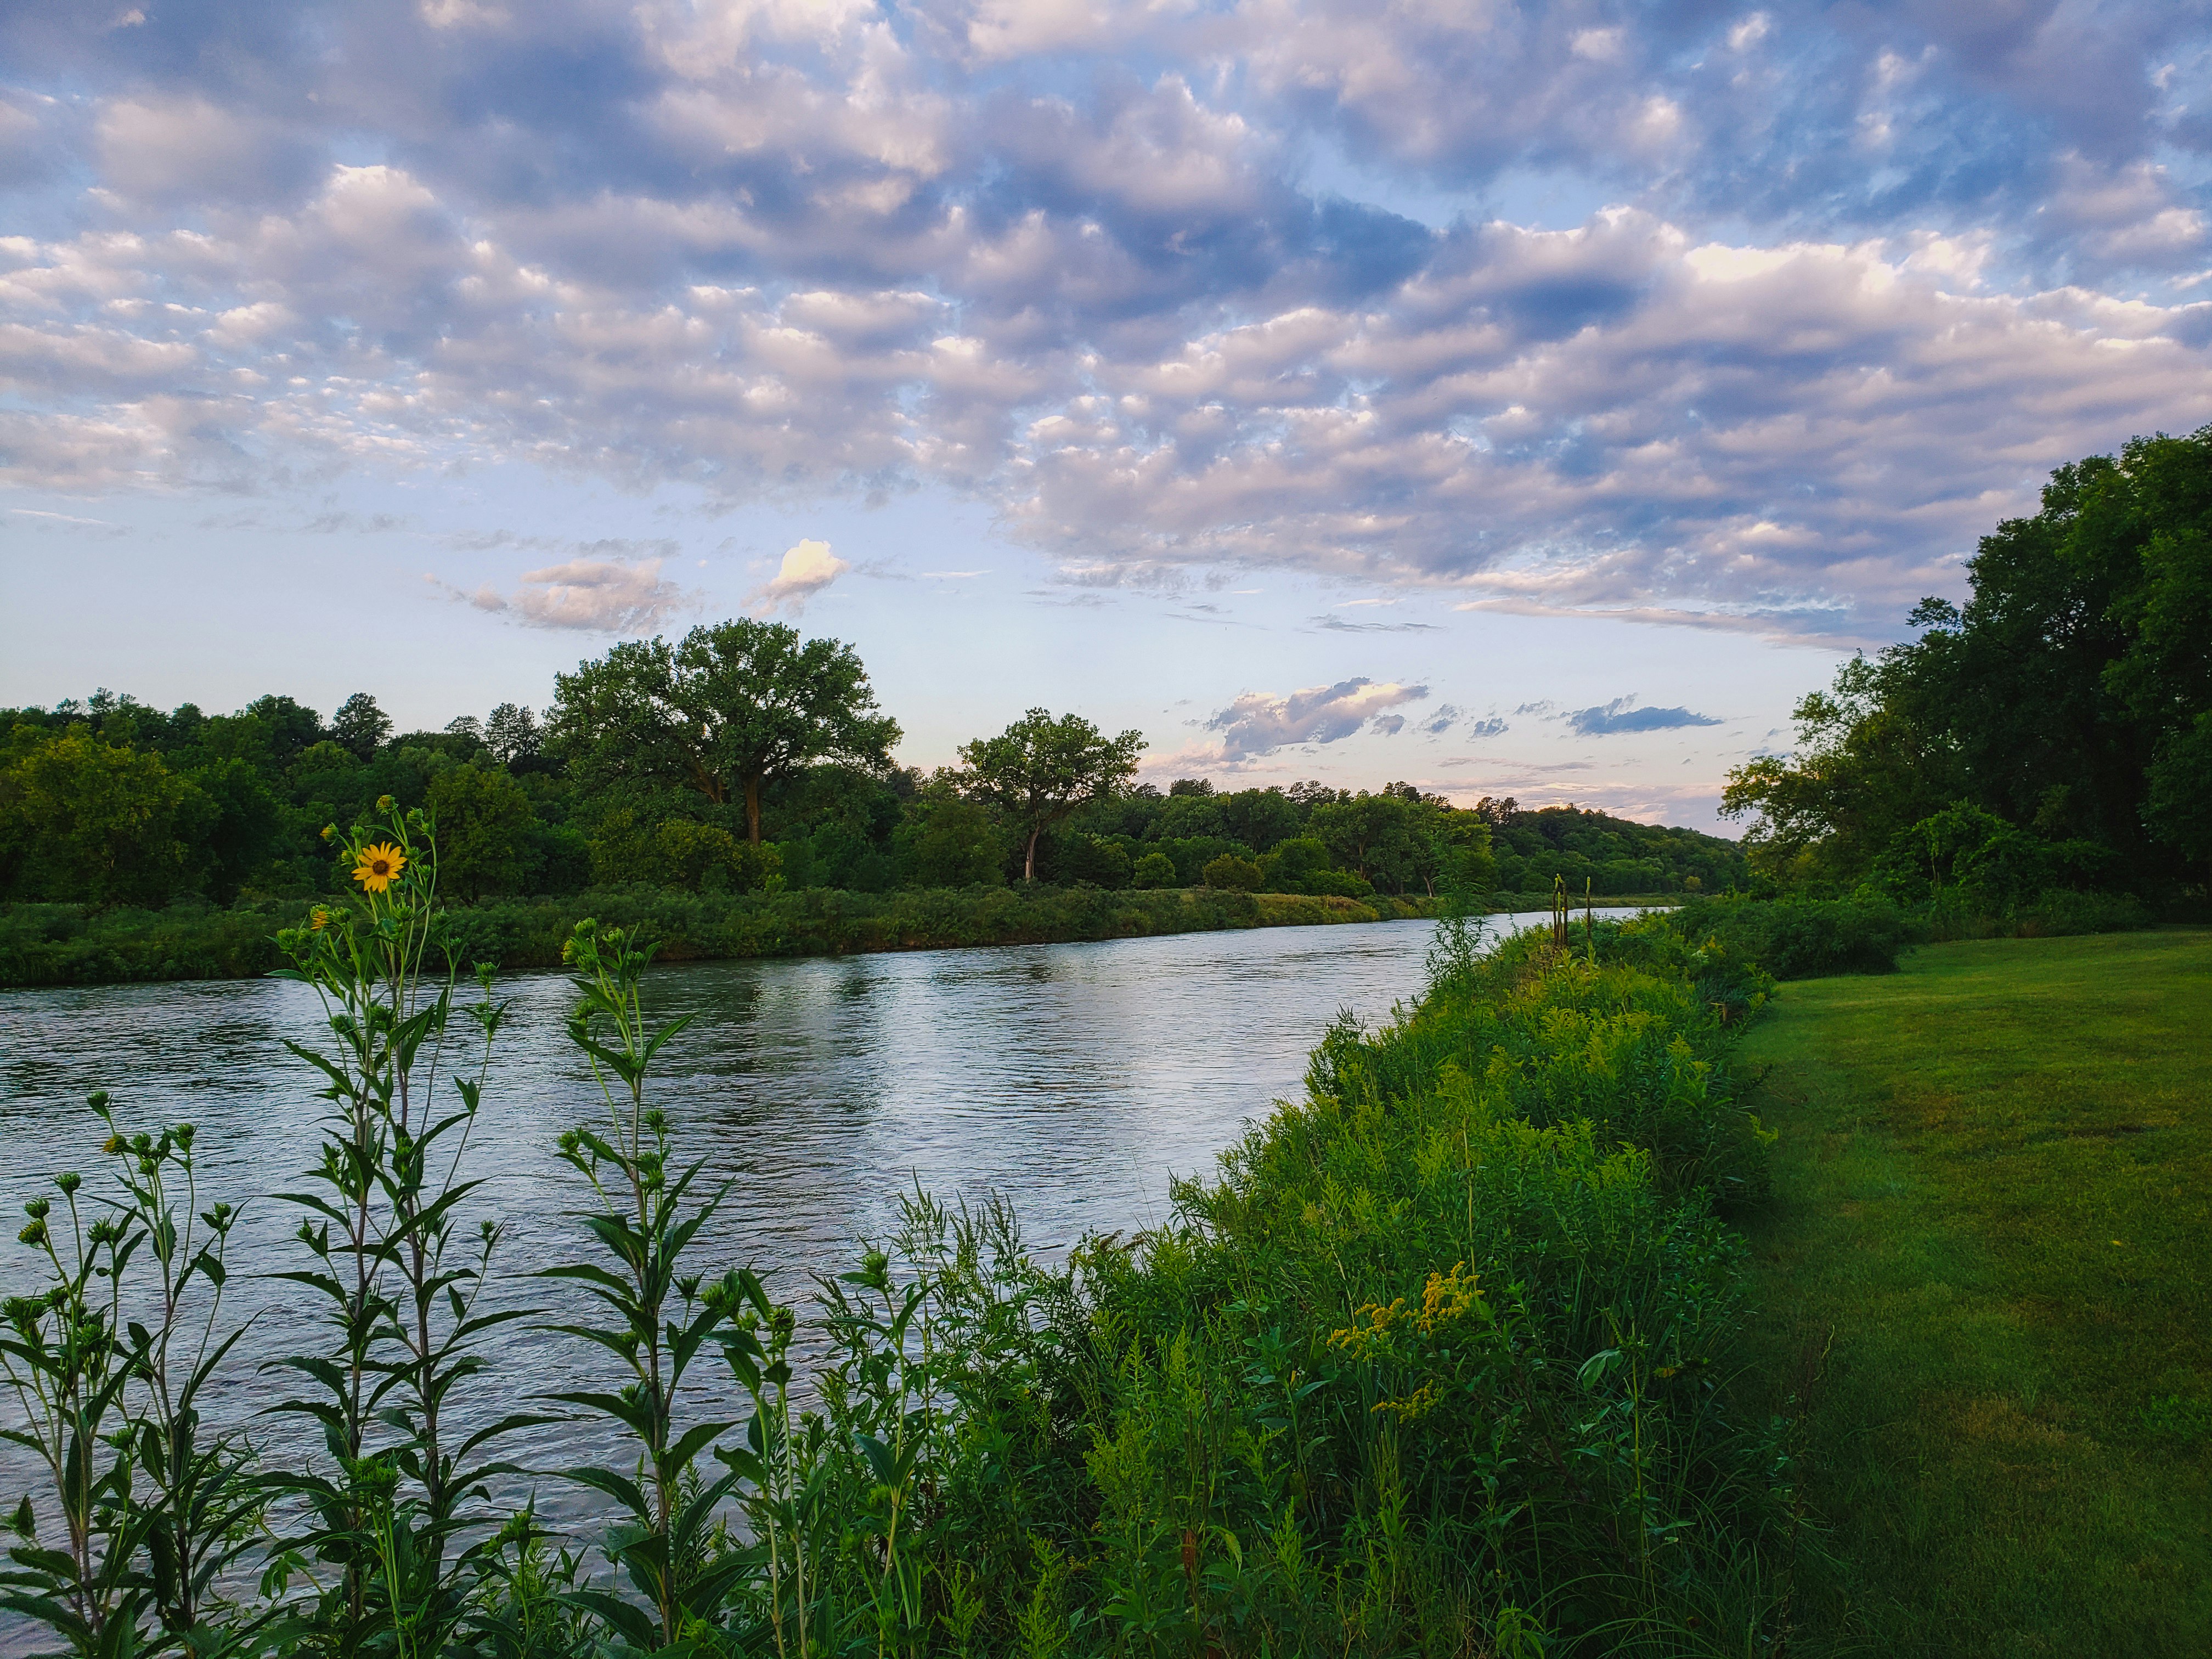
727, 709
82, 820
1154, 870
145, 1508
1092, 858
677, 853
397, 1276
66, 945
1614, 856
1040, 770
1791, 939
1236, 874
950, 841
643, 1218
2178, 802
360, 727
485, 825
2064, 700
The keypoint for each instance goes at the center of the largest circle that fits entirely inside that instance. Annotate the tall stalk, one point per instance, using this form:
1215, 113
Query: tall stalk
107, 1364
642, 1220
401, 1291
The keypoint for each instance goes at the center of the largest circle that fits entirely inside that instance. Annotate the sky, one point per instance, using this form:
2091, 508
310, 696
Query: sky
1529, 400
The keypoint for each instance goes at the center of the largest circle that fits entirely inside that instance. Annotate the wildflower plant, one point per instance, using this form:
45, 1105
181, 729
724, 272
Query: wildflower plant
668, 1544
144, 1509
400, 1276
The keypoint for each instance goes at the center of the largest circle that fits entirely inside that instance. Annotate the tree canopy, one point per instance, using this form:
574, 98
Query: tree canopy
2069, 701
730, 707
1040, 770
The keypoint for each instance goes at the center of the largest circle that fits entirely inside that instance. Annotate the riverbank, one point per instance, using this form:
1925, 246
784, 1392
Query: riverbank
1427, 1364
1989, 1292
72, 945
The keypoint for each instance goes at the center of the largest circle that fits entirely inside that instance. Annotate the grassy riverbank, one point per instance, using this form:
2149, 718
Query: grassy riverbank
1989, 1288
74, 944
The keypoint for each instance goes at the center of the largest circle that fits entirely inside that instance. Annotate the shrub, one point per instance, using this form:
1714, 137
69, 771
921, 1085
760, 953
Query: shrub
698, 858
1801, 939
1233, 874
1153, 870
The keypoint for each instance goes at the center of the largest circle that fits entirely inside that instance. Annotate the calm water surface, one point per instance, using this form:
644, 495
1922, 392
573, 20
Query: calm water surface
1075, 1079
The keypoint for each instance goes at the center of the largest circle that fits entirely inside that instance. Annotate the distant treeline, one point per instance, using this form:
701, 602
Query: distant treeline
108, 802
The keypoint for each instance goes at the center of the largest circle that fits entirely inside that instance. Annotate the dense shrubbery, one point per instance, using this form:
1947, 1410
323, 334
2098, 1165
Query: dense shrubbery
1796, 938
1434, 1366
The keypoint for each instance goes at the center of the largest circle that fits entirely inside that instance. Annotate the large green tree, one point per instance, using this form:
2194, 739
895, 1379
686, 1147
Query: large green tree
726, 710
82, 819
485, 830
361, 726
2064, 698
1040, 770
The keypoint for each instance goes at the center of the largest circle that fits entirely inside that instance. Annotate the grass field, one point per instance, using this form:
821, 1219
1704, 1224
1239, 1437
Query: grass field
1987, 1284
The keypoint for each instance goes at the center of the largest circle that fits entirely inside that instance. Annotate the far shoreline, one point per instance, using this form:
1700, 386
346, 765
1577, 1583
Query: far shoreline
48, 946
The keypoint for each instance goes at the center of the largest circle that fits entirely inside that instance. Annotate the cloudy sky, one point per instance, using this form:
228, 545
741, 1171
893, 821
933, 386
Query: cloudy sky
1528, 399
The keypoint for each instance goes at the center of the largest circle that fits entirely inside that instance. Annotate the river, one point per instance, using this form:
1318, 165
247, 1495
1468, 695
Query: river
1074, 1079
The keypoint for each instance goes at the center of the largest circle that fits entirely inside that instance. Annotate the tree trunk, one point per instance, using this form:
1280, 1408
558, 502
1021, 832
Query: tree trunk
752, 810
1029, 858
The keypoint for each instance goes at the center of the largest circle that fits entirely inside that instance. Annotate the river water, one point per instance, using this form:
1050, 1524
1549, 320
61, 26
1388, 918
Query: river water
1074, 1079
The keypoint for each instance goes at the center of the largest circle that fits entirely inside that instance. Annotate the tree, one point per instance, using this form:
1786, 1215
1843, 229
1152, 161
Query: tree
1371, 836
486, 830
1452, 846
2178, 809
1040, 770
1259, 817
82, 820
2057, 698
730, 708
292, 726
1080, 858
511, 732
1290, 866
361, 726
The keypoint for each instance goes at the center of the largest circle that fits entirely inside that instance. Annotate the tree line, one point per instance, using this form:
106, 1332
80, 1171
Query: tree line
741, 758
2053, 734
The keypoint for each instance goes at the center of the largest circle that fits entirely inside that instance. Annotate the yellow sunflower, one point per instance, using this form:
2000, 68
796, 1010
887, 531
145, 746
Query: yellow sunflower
377, 867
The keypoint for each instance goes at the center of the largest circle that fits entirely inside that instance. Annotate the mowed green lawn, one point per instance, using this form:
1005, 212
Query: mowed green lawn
1986, 1284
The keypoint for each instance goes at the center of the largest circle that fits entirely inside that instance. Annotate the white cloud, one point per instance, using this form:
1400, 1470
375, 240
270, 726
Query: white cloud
808, 568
